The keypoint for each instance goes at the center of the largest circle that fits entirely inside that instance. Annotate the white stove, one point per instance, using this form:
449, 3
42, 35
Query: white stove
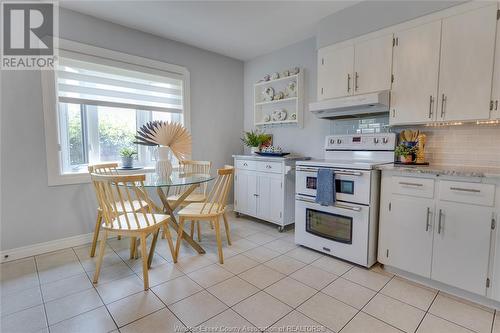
348, 229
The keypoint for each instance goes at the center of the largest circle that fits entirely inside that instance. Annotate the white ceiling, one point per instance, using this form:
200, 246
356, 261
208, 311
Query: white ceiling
238, 29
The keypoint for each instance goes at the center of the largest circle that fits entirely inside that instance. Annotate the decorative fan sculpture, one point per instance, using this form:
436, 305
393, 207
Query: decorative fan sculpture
168, 136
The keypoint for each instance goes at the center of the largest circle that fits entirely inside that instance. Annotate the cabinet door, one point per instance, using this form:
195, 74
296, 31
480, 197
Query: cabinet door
373, 65
335, 69
416, 71
246, 192
462, 246
466, 68
496, 79
406, 234
270, 197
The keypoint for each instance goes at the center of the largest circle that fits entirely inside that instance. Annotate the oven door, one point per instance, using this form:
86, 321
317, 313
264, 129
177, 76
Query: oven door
350, 185
341, 230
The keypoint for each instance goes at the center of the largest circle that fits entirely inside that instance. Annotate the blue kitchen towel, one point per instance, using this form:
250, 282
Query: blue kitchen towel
325, 187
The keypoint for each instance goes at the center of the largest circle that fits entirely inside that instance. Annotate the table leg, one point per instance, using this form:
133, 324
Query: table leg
169, 209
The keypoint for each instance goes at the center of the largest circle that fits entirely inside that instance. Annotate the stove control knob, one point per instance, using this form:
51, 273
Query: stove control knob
385, 140
339, 141
332, 141
375, 140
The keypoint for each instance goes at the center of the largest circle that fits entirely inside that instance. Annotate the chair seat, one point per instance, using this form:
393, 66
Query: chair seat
193, 197
160, 218
195, 209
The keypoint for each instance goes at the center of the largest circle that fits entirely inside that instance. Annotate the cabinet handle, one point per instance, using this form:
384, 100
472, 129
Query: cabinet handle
439, 223
443, 100
356, 77
496, 105
255, 195
465, 189
411, 184
268, 166
427, 223
431, 100
348, 82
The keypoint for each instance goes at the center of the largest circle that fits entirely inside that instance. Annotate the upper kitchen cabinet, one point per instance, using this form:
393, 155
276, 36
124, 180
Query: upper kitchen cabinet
372, 65
335, 67
466, 67
362, 67
495, 99
416, 71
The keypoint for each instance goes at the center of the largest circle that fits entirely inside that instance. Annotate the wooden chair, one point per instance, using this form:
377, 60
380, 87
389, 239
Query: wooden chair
107, 169
189, 167
122, 199
211, 210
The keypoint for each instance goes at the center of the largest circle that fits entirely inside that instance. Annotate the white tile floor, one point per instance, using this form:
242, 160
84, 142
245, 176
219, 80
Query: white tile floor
266, 282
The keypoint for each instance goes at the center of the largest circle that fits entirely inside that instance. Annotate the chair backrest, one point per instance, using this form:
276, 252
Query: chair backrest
189, 167
104, 168
216, 200
124, 199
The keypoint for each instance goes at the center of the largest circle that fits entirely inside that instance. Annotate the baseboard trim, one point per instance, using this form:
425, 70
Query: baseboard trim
40, 248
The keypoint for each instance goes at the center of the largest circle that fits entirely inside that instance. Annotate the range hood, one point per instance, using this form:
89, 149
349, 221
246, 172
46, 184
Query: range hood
352, 106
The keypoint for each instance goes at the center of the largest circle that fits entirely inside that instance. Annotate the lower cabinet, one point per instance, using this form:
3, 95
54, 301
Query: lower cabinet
264, 190
443, 233
462, 246
407, 234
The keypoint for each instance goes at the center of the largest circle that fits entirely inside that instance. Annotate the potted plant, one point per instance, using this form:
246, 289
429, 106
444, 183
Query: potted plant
254, 139
127, 155
406, 152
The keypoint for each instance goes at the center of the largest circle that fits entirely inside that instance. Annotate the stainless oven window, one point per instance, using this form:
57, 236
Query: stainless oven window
311, 183
331, 226
344, 186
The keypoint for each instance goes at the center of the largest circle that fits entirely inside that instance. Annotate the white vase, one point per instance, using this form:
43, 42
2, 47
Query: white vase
163, 164
255, 150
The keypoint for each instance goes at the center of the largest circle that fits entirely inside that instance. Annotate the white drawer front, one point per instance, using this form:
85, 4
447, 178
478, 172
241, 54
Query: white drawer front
245, 165
275, 167
471, 193
418, 187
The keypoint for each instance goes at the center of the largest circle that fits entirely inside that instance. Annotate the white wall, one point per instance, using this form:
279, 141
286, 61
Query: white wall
31, 211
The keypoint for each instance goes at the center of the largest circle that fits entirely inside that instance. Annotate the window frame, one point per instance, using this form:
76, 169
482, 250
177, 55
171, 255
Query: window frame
52, 121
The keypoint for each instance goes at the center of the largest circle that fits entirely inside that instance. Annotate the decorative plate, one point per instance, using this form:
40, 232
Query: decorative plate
267, 118
279, 115
291, 89
293, 116
272, 154
268, 94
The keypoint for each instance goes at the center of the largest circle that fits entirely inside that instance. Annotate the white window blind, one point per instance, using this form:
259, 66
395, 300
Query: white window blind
82, 82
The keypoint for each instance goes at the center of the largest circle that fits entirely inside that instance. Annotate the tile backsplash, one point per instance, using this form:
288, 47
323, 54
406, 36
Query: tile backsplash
467, 144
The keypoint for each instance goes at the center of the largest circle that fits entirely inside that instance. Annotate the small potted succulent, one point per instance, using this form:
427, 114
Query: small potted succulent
255, 139
127, 155
406, 151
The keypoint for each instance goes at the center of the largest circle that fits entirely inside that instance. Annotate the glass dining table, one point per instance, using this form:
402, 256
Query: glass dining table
183, 184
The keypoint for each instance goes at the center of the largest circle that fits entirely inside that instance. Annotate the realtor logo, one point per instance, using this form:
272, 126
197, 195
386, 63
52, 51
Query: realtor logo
28, 35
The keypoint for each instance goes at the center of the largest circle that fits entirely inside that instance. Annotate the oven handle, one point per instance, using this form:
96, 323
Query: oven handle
338, 172
337, 205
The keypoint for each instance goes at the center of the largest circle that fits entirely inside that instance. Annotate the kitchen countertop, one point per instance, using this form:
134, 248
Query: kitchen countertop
290, 157
445, 170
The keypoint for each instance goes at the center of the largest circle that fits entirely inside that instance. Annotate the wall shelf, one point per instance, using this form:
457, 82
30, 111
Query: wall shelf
291, 104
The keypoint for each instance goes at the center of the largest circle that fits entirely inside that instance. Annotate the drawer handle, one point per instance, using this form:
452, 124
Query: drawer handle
411, 184
244, 164
268, 166
472, 190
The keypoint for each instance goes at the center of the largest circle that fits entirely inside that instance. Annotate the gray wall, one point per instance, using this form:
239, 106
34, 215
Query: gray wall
33, 212
369, 16
309, 139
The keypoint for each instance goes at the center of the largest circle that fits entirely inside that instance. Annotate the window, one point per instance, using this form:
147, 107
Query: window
101, 100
